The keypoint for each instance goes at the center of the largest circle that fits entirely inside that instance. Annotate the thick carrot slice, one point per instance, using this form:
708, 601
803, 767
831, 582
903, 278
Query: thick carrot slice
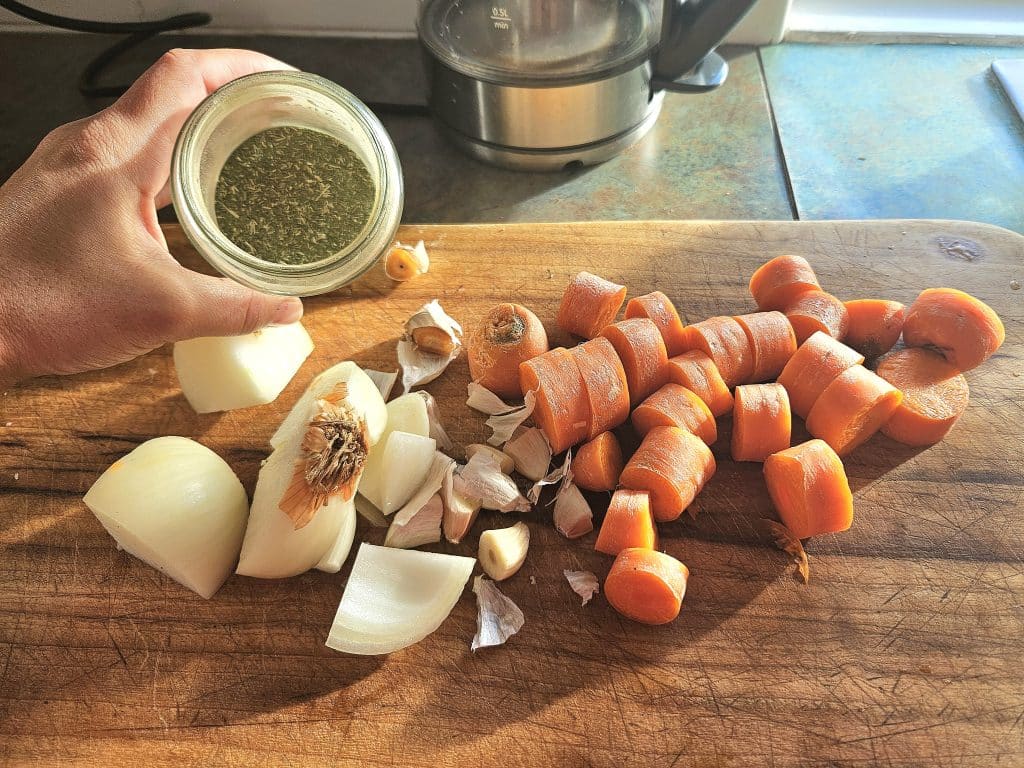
659, 308
605, 382
817, 311
642, 351
675, 406
589, 303
875, 325
814, 366
778, 282
852, 408
598, 463
935, 395
809, 489
672, 465
773, 341
628, 523
964, 329
699, 374
761, 422
562, 410
724, 341
646, 586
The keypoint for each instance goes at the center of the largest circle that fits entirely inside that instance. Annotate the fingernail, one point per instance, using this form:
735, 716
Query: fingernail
287, 312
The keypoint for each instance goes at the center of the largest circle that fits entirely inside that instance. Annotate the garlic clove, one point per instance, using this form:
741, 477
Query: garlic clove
460, 509
530, 451
505, 462
417, 528
572, 514
405, 262
498, 618
484, 480
431, 341
502, 551
583, 583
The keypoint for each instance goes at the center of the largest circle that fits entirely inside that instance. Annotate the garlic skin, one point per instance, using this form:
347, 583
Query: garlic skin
384, 381
177, 506
223, 373
404, 262
498, 618
431, 341
505, 462
419, 527
460, 509
436, 428
572, 515
502, 551
484, 480
504, 425
407, 413
480, 398
583, 583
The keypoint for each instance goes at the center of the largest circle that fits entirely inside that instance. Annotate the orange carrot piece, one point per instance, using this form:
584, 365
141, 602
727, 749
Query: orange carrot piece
935, 395
815, 365
773, 341
761, 422
965, 330
659, 308
779, 282
852, 408
672, 465
724, 341
699, 374
628, 523
675, 406
598, 463
562, 410
641, 349
589, 303
604, 380
817, 311
646, 586
809, 489
875, 325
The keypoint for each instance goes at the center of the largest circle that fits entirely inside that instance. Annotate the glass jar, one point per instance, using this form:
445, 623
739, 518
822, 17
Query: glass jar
251, 104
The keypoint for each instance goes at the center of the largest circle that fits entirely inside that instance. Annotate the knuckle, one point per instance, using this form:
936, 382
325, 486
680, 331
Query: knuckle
177, 58
86, 143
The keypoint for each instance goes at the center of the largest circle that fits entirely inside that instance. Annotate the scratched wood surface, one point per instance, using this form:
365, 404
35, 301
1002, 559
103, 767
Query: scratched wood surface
904, 649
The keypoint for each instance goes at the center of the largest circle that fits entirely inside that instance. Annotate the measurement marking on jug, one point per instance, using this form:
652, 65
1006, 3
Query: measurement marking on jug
500, 17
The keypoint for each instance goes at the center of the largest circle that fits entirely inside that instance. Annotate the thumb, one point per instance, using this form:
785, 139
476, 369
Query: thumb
221, 307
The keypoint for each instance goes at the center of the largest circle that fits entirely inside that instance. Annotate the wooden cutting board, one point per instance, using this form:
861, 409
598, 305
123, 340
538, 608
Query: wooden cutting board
904, 649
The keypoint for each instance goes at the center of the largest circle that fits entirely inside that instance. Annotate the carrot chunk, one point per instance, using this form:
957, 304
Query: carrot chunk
935, 395
598, 463
699, 374
605, 383
589, 303
875, 325
562, 410
642, 351
659, 308
817, 311
672, 465
628, 523
761, 422
646, 586
815, 365
965, 330
778, 282
809, 489
852, 408
724, 341
675, 406
773, 341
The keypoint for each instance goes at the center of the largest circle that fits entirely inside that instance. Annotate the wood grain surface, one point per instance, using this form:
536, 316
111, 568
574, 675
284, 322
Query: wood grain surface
904, 649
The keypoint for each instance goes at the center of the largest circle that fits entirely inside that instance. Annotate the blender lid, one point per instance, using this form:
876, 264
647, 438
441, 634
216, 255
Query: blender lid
524, 42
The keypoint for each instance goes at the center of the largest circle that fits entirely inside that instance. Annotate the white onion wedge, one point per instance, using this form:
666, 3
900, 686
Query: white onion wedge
338, 553
406, 464
395, 598
221, 373
407, 413
177, 506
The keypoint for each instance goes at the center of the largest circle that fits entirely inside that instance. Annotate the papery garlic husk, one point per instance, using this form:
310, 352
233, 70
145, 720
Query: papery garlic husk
460, 509
482, 399
583, 583
505, 462
551, 478
383, 380
530, 451
436, 428
404, 262
484, 480
419, 528
503, 425
431, 341
498, 618
572, 514
502, 551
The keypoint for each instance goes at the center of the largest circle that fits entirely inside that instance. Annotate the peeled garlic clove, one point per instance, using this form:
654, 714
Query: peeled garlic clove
177, 506
432, 340
505, 462
405, 262
530, 451
498, 618
436, 428
460, 509
418, 528
572, 515
502, 551
484, 480
583, 583
503, 425
221, 373
396, 597
407, 413
406, 463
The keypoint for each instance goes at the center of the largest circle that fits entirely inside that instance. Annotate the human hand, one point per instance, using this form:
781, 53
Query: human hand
86, 280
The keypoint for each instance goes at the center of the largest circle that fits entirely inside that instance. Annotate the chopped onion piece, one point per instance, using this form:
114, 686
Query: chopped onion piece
483, 400
370, 513
406, 464
551, 478
460, 509
396, 597
583, 583
431, 341
484, 480
530, 451
338, 553
498, 618
436, 473
435, 427
504, 424
416, 528
572, 516
384, 380
407, 413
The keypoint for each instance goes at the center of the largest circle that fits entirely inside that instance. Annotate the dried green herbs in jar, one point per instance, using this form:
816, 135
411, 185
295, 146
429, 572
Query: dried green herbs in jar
293, 195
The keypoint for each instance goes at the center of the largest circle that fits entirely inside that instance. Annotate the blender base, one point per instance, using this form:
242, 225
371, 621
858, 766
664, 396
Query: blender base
558, 159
